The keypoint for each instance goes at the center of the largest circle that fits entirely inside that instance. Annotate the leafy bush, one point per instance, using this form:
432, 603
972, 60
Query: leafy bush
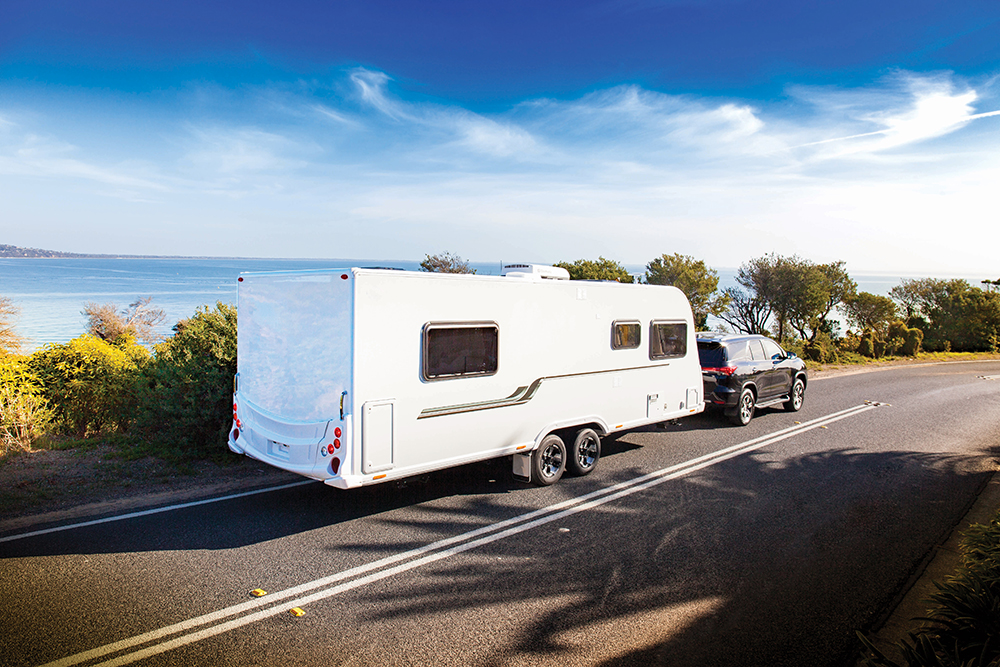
599, 269
139, 320
866, 345
445, 263
24, 415
186, 396
89, 383
911, 346
822, 349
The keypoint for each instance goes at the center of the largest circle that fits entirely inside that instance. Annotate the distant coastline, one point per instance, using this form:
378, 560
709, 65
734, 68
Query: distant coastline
16, 252
8, 251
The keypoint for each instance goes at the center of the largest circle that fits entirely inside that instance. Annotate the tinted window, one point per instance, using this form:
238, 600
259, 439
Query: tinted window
625, 335
757, 350
458, 350
667, 340
771, 349
737, 350
712, 355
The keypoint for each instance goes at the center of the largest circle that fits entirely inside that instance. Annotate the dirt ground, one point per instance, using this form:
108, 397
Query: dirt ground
46, 486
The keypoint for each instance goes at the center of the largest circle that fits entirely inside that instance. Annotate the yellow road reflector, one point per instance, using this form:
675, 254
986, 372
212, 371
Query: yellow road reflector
822, 427
798, 422
258, 592
297, 611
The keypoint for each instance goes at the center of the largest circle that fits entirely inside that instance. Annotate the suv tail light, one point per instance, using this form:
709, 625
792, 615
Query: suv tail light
723, 370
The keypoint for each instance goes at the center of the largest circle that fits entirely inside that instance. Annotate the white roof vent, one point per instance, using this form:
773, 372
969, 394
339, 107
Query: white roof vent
534, 272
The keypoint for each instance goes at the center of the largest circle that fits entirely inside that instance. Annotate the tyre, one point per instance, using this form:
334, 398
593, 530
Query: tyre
744, 409
796, 396
584, 452
548, 462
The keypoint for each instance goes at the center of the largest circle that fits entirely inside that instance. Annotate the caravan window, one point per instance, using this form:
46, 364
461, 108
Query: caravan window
455, 350
625, 335
667, 340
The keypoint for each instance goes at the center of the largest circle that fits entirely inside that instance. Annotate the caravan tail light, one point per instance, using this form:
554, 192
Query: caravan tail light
329, 449
337, 432
335, 465
239, 424
336, 444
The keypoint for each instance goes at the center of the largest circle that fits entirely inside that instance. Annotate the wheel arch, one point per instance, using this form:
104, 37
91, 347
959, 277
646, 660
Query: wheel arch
568, 428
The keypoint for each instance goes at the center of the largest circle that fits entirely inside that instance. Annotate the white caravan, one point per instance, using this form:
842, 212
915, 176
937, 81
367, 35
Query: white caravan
359, 376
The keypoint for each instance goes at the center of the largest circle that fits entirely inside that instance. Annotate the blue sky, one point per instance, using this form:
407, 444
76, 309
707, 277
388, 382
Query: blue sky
537, 131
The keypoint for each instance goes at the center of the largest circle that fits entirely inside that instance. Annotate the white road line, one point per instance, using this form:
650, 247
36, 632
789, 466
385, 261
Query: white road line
279, 602
135, 515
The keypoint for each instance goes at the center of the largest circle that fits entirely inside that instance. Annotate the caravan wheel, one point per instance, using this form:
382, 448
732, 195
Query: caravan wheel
548, 462
584, 452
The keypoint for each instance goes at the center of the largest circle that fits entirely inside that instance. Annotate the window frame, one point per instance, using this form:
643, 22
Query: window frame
614, 330
652, 338
425, 349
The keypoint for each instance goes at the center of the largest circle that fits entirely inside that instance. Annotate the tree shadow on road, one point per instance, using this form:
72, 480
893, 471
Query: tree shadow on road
773, 551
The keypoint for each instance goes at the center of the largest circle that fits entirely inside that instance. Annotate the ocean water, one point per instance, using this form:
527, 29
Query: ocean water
52, 293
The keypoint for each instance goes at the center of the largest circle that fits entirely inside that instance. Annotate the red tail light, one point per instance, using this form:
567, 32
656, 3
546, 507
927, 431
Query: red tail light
335, 466
723, 370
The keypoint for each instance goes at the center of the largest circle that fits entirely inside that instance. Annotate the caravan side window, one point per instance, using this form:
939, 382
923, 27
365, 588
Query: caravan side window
459, 349
667, 340
625, 335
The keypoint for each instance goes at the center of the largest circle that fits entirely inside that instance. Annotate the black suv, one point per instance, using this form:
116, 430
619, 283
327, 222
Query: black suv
742, 373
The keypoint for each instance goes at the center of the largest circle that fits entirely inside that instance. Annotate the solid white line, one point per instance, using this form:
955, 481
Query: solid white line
134, 515
430, 553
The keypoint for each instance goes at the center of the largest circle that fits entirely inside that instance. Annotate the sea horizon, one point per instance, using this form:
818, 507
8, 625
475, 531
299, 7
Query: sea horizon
51, 292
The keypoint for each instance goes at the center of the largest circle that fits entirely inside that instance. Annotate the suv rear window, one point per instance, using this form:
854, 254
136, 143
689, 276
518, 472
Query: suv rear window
712, 355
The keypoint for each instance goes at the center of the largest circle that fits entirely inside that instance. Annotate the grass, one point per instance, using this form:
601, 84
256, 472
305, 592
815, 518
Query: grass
853, 360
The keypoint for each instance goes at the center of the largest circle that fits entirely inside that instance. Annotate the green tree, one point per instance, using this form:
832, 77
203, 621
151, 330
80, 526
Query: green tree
698, 282
952, 313
839, 288
139, 320
601, 269
445, 263
791, 292
799, 293
186, 397
870, 312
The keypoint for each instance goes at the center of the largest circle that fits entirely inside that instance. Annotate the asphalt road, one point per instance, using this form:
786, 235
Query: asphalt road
698, 544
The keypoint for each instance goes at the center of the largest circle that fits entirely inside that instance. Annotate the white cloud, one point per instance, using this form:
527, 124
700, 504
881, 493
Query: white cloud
626, 172
906, 109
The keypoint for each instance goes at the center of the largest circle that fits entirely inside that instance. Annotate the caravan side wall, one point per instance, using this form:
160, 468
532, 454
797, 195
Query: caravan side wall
554, 344
304, 339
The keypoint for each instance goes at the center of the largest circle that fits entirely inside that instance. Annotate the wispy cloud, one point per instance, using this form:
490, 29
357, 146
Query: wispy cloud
906, 110
365, 167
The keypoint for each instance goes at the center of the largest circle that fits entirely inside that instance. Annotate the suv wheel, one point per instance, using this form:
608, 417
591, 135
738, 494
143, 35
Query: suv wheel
796, 396
744, 409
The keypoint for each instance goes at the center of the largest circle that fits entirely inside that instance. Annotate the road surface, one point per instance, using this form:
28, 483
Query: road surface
696, 544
